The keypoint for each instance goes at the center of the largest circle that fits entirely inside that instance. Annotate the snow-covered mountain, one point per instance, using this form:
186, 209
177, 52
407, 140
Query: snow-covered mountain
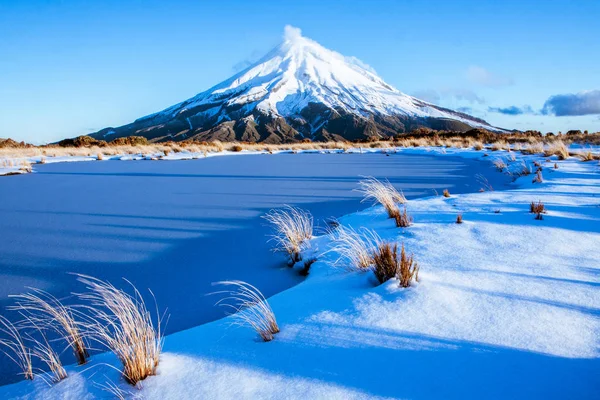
298, 90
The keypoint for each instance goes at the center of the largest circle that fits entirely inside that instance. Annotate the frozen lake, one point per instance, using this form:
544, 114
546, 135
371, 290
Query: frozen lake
177, 226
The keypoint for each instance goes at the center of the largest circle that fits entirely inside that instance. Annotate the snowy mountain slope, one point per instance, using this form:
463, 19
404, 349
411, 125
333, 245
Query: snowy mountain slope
299, 89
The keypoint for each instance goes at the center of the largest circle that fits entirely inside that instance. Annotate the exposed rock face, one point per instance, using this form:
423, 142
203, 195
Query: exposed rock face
299, 90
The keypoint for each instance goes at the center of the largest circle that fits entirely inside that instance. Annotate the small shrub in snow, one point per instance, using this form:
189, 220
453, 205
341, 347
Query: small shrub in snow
408, 269
538, 177
385, 261
403, 220
383, 193
538, 209
478, 146
14, 347
293, 230
387, 264
446, 193
236, 148
250, 308
459, 219
122, 323
100, 156
46, 311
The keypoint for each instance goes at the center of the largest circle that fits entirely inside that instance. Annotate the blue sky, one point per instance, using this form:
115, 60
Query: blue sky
71, 67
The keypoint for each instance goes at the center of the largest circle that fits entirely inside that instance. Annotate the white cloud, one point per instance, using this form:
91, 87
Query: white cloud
291, 33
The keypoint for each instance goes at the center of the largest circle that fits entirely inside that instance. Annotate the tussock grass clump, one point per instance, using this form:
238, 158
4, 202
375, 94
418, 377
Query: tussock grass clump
500, 145
387, 264
586, 156
408, 269
123, 324
446, 193
43, 351
538, 209
293, 230
99, 156
250, 308
538, 176
355, 249
236, 148
383, 193
385, 261
499, 164
14, 347
47, 312
403, 220
459, 219
557, 148
478, 146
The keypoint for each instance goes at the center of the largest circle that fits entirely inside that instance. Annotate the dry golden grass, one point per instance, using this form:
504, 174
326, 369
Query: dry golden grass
538, 176
46, 354
354, 248
587, 155
446, 193
408, 269
499, 164
385, 261
250, 308
459, 219
13, 346
403, 220
45, 311
387, 264
557, 148
538, 209
293, 230
122, 323
382, 192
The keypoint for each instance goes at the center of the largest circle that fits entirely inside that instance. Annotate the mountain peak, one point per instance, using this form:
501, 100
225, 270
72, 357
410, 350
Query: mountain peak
299, 89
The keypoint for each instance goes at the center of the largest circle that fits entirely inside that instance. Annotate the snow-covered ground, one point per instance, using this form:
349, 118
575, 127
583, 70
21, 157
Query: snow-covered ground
507, 307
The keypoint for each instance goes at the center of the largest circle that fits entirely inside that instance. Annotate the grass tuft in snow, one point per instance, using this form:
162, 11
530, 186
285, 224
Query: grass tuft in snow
14, 347
459, 219
538, 178
387, 264
403, 220
446, 193
383, 193
293, 230
45, 353
538, 209
250, 308
354, 248
122, 323
47, 312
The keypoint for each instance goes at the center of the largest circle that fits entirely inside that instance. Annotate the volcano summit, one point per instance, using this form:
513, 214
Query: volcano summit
298, 90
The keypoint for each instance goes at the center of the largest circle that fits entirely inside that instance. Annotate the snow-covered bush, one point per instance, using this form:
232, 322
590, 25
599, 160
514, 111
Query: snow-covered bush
293, 230
250, 308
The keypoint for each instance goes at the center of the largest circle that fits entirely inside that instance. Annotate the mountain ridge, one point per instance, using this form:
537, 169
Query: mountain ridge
296, 91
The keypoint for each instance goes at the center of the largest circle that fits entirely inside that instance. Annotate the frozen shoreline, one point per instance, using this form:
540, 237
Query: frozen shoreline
507, 306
